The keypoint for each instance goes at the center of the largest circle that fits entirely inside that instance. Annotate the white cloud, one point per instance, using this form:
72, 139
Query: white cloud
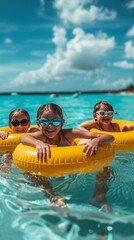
80, 55
103, 83
8, 41
7, 28
6, 52
122, 82
38, 54
14, 68
7, 68
42, 7
130, 33
42, 3
129, 49
84, 50
130, 4
124, 64
60, 37
77, 12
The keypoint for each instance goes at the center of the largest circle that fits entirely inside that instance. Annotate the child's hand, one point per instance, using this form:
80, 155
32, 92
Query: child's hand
43, 151
91, 147
4, 134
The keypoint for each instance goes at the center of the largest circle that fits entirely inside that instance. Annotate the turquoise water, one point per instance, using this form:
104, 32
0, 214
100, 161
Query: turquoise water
26, 213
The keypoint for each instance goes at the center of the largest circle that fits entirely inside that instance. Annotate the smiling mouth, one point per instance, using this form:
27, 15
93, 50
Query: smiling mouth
22, 131
106, 119
50, 131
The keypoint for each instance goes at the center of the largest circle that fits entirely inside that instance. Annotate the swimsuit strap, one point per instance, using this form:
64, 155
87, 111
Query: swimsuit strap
112, 125
62, 143
61, 139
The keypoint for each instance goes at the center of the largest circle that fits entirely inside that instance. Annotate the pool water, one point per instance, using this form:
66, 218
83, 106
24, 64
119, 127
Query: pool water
25, 211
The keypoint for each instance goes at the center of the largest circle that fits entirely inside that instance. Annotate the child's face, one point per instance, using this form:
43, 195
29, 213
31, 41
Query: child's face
50, 123
19, 123
103, 115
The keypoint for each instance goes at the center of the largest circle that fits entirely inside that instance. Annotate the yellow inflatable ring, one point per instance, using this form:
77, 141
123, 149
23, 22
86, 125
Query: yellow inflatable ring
124, 141
9, 144
63, 161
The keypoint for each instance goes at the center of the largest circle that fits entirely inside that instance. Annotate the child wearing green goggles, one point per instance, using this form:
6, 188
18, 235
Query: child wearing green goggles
103, 113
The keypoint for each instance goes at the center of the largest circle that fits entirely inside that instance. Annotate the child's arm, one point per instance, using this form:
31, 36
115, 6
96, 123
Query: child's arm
88, 125
91, 146
43, 149
103, 138
128, 128
4, 134
33, 129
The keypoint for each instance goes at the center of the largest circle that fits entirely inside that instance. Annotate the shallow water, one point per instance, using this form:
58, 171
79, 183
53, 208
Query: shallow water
25, 211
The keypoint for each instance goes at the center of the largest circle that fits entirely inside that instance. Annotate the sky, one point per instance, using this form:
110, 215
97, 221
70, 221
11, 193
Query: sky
64, 45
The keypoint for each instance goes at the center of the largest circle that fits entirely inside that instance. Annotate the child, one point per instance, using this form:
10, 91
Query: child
50, 122
103, 114
19, 122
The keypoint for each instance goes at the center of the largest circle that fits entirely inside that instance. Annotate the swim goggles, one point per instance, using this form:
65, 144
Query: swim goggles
44, 122
23, 122
105, 113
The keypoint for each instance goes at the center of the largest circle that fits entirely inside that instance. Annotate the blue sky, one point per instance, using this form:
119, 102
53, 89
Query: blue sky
62, 45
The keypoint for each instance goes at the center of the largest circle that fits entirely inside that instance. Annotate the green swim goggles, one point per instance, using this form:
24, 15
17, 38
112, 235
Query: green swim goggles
44, 122
102, 113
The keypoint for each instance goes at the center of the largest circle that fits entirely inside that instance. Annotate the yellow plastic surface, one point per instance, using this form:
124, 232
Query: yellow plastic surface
63, 161
124, 141
9, 144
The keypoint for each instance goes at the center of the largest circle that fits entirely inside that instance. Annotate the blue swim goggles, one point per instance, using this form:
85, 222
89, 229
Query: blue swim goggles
44, 122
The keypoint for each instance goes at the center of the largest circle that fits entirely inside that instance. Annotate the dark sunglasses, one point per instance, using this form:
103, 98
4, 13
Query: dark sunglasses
23, 122
44, 122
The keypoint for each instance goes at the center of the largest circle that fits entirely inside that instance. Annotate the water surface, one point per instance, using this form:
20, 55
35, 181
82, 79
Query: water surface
26, 212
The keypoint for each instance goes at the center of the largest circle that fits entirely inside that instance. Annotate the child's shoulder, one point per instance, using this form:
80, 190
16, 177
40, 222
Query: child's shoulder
33, 129
128, 128
116, 127
35, 133
89, 124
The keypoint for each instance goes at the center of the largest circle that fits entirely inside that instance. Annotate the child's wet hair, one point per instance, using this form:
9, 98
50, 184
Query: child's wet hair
18, 110
49, 107
107, 106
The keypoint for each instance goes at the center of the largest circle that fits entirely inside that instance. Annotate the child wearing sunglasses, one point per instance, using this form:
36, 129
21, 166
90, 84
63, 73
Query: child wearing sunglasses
19, 122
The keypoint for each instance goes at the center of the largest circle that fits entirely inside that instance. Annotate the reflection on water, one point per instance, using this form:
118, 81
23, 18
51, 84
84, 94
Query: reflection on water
27, 213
